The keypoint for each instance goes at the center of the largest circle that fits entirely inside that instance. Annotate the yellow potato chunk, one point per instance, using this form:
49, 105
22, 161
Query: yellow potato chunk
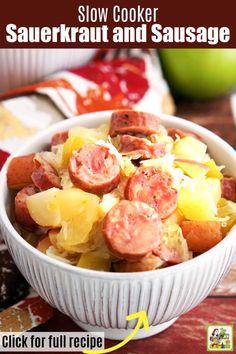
196, 201
54, 236
74, 201
214, 170
190, 148
76, 230
95, 260
72, 208
71, 144
192, 169
44, 209
215, 186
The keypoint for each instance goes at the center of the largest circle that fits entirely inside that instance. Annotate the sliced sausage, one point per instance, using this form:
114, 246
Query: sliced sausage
154, 187
59, 138
174, 132
149, 262
22, 214
19, 171
228, 188
134, 123
201, 235
45, 176
94, 169
139, 148
132, 229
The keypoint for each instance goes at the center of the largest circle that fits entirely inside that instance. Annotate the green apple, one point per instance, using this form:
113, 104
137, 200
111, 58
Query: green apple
199, 73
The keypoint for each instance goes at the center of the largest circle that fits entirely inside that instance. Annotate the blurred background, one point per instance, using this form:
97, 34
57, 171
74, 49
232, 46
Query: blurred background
191, 73
41, 86
203, 84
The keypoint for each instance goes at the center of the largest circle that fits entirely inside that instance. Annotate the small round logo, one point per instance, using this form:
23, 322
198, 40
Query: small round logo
220, 338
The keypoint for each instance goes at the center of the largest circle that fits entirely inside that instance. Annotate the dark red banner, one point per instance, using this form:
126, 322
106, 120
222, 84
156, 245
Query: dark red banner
101, 23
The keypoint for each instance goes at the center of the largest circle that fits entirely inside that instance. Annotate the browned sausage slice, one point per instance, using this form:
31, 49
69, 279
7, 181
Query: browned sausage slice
154, 187
139, 148
228, 188
94, 169
19, 171
132, 229
135, 123
21, 211
45, 177
59, 138
201, 235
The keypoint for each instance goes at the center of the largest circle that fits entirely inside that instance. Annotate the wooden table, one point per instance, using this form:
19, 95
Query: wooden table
215, 115
188, 334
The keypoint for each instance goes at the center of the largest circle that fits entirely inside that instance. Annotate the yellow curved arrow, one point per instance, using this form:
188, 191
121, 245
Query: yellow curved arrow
142, 320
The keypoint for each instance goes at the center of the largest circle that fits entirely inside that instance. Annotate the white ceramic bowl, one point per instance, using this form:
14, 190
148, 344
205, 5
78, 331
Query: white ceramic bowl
99, 300
23, 66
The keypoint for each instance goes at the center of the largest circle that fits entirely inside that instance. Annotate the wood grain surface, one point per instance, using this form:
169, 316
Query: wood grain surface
215, 115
